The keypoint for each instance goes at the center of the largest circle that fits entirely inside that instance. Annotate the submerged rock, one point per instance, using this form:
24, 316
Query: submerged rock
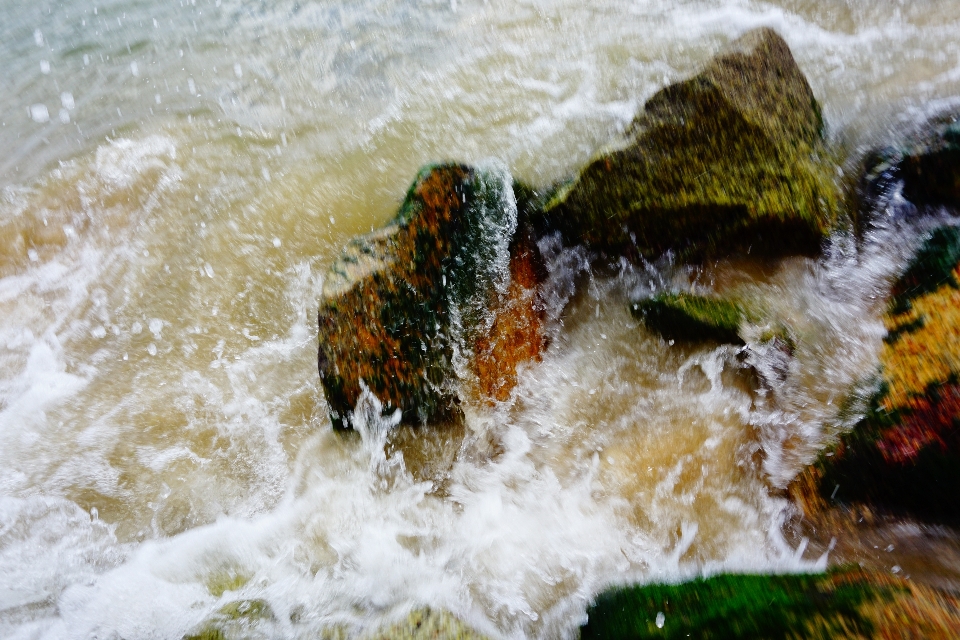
685, 316
729, 160
427, 624
904, 455
843, 603
404, 304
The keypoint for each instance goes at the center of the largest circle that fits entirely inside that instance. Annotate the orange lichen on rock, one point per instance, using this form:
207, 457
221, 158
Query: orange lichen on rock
384, 304
926, 345
517, 333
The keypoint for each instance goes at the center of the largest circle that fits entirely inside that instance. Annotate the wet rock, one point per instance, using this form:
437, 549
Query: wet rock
924, 169
846, 602
904, 455
685, 316
403, 306
730, 160
427, 624
516, 334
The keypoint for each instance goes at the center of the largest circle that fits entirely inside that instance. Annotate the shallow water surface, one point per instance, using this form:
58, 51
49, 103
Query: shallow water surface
177, 177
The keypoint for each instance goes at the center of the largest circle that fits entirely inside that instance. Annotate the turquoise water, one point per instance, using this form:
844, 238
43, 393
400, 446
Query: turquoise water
177, 176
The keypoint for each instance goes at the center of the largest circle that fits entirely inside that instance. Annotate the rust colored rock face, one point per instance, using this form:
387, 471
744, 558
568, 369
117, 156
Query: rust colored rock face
383, 309
402, 301
517, 333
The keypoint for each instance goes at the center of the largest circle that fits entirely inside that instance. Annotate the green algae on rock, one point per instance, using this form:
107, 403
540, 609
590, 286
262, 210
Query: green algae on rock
685, 316
843, 603
904, 454
400, 302
730, 160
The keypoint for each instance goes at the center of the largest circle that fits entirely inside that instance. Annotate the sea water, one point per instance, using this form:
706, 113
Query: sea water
176, 178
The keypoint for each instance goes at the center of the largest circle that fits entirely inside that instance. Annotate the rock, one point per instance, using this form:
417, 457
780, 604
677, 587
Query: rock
924, 168
846, 602
516, 334
689, 317
730, 160
404, 306
904, 455
427, 624
931, 169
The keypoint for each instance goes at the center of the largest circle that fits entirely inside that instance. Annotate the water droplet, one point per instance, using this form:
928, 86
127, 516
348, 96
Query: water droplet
134, 69
66, 99
44, 67
64, 116
238, 70
156, 98
265, 173
33, 255
136, 328
86, 59
38, 37
39, 113
152, 349
276, 242
661, 619
191, 86
99, 332
156, 326
895, 568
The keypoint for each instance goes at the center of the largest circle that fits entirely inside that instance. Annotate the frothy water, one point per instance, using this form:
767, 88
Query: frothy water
179, 175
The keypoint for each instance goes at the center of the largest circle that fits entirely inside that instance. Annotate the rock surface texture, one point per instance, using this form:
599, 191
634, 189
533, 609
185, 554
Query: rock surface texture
904, 455
406, 306
730, 160
844, 603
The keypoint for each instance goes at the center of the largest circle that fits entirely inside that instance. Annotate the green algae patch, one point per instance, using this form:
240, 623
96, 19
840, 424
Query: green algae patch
220, 583
685, 316
427, 624
742, 606
903, 455
731, 160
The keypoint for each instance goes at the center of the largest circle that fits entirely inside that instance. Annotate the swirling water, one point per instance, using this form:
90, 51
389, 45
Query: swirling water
178, 175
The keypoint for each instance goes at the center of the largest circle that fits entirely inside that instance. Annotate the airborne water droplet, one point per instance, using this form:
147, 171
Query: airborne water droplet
39, 113
660, 620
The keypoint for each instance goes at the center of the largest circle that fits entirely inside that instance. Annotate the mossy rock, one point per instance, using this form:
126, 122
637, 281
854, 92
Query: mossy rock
730, 160
399, 302
844, 603
689, 317
904, 454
